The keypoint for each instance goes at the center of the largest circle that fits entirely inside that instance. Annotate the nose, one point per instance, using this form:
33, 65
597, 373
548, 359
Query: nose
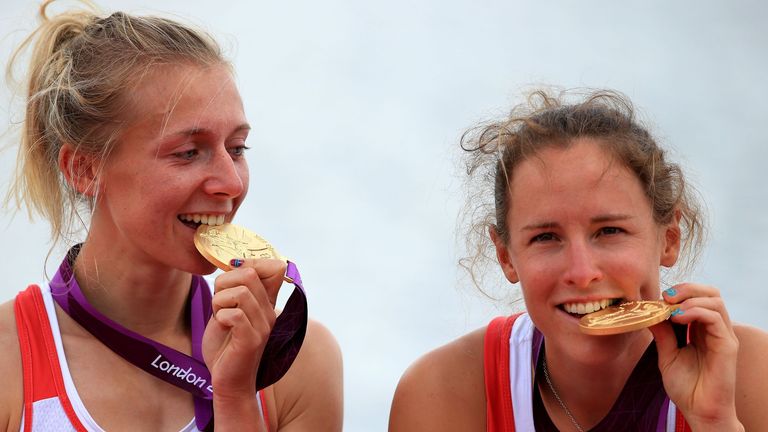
225, 178
582, 265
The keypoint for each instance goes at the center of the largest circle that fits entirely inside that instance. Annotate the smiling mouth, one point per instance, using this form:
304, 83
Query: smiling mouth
580, 309
194, 220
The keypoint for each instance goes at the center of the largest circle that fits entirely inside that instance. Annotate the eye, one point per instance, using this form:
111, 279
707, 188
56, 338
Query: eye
610, 231
543, 237
238, 151
187, 154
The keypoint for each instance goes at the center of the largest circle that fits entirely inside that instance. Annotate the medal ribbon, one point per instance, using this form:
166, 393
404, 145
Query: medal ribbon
186, 372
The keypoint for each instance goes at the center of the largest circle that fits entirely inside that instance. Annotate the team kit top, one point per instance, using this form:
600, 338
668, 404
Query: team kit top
512, 358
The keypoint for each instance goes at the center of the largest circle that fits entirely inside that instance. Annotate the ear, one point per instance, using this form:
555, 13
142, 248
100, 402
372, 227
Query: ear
79, 169
671, 241
502, 254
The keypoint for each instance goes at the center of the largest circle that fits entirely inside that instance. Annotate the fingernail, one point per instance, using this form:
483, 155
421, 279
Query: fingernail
677, 311
237, 262
671, 292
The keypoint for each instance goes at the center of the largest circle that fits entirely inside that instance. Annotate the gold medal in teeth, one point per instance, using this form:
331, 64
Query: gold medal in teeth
626, 317
220, 244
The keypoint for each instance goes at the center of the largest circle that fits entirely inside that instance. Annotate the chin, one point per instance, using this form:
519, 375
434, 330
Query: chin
205, 268
198, 265
209, 268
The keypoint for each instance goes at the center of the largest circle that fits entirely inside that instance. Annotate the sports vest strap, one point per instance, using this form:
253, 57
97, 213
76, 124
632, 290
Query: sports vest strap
39, 360
680, 424
498, 393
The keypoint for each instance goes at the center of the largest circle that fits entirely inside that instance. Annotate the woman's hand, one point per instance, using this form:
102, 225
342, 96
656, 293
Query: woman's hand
234, 340
700, 378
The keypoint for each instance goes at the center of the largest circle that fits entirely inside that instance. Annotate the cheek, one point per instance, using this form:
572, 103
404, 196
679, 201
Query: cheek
165, 187
537, 275
637, 271
626, 262
629, 253
538, 267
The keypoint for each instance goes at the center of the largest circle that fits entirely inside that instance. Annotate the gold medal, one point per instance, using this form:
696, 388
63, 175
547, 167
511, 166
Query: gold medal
626, 317
220, 244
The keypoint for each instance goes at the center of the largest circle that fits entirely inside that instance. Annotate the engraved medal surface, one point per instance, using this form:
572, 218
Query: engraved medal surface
222, 243
626, 317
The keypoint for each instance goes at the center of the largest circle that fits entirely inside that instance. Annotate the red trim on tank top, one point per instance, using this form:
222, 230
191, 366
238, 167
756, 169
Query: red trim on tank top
680, 424
42, 380
498, 395
264, 409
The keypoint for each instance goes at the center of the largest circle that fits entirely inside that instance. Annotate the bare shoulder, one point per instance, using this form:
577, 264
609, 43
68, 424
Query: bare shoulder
309, 396
11, 394
444, 390
752, 377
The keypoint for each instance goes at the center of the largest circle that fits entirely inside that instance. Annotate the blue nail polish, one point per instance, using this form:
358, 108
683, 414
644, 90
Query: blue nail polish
677, 311
237, 262
671, 292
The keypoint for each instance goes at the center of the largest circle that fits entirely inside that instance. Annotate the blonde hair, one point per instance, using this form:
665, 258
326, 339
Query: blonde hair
550, 120
81, 71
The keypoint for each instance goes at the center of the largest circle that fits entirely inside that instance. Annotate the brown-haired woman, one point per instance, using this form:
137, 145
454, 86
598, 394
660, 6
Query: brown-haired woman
584, 210
136, 123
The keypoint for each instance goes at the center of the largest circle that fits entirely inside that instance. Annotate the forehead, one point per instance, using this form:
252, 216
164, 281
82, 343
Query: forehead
169, 97
582, 178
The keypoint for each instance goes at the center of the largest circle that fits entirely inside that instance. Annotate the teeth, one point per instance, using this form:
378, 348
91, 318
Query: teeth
203, 218
587, 307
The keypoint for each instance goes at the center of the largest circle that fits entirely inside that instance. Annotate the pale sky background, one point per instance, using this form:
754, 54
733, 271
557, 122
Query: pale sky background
357, 108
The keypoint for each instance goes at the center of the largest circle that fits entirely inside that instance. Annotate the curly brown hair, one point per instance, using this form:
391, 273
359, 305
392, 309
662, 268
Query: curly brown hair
548, 120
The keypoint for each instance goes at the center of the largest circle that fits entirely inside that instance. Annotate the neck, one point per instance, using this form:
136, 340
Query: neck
143, 297
588, 389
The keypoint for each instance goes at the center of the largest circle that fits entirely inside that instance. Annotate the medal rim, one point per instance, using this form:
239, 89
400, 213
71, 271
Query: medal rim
204, 249
602, 330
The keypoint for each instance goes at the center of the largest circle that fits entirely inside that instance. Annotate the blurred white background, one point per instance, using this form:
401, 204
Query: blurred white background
357, 108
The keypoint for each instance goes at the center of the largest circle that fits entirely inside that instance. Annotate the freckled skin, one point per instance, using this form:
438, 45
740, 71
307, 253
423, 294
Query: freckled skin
581, 229
157, 172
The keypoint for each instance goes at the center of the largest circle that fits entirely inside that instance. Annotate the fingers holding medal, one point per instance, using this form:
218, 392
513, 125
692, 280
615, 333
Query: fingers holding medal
245, 331
683, 304
710, 331
260, 275
243, 304
697, 303
699, 377
238, 331
246, 258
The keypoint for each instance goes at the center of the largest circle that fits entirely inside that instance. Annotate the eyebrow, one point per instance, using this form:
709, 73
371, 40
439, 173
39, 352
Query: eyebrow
206, 131
597, 219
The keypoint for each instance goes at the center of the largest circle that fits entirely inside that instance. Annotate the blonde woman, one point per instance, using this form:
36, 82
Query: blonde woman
136, 123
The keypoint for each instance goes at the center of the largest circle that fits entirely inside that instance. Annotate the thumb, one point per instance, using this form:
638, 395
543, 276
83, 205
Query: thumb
271, 272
